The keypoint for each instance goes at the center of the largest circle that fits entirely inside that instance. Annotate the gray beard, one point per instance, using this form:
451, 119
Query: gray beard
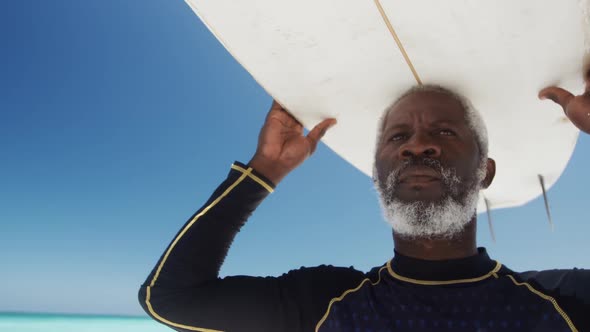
443, 219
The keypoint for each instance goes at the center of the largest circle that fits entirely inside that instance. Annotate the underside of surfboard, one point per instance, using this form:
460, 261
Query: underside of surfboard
351, 59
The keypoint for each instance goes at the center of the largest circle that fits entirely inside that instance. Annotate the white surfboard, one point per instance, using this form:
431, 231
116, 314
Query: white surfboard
335, 58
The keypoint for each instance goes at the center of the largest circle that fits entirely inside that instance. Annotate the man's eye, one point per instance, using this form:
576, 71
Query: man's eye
397, 137
446, 132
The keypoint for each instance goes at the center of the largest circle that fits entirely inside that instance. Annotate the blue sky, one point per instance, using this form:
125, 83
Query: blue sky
117, 121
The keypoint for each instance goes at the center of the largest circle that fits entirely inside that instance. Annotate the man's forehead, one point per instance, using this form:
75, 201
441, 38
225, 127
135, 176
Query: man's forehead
430, 105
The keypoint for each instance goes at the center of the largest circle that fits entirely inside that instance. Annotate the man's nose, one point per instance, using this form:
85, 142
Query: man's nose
420, 145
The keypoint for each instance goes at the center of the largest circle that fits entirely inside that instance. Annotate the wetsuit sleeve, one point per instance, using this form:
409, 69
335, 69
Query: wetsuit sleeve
185, 292
570, 288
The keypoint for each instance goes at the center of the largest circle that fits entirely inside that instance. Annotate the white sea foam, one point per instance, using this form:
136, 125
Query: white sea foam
77, 323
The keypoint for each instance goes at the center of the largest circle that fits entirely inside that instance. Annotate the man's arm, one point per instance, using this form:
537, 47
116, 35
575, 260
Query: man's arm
184, 291
198, 250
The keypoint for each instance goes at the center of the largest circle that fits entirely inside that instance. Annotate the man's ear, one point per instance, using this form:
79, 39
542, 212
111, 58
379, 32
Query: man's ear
490, 173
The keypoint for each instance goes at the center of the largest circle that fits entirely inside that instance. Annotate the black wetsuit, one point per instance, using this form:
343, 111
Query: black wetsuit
472, 294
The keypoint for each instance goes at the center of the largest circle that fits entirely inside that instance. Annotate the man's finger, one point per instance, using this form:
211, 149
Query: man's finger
276, 107
558, 95
316, 134
279, 112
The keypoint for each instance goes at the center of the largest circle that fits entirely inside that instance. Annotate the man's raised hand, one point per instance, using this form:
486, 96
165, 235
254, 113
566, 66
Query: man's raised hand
576, 108
281, 143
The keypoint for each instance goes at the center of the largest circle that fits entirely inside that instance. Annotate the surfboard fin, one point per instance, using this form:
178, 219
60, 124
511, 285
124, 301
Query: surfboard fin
542, 181
489, 213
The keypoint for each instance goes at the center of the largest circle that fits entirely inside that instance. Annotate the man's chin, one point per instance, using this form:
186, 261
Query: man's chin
426, 218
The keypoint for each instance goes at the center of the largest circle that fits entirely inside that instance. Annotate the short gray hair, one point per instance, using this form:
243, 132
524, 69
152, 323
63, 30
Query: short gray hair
472, 116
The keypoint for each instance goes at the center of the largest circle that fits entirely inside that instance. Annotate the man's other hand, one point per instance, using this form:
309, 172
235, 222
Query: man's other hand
281, 143
576, 108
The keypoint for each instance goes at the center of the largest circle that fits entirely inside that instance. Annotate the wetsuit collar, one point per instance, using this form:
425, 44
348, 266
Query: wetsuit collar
478, 266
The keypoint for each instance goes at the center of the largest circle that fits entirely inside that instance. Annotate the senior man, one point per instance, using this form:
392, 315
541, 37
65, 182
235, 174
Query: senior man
430, 163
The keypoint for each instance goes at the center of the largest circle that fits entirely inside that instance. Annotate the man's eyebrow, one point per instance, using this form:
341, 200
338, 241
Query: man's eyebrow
445, 123
437, 123
395, 126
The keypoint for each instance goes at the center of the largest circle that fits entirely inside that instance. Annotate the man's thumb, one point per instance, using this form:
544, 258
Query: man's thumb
557, 95
319, 131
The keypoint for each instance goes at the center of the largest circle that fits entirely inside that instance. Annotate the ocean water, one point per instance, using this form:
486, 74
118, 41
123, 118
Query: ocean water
20, 322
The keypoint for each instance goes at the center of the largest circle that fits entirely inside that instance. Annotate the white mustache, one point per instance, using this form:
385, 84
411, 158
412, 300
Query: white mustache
451, 182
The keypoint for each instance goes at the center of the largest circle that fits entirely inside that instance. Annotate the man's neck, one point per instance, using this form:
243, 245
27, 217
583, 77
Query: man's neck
463, 245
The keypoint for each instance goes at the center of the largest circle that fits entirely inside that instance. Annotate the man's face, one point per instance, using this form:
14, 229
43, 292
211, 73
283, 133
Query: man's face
430, 127
428, 159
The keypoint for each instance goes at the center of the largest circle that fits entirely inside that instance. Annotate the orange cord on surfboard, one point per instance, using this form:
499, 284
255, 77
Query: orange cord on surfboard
398, 42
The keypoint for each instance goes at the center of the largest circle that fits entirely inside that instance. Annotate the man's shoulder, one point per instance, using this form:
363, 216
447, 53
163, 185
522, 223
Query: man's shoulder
335, 277
570, 288
330, 271
571, 284
314, 287
557, 278
554, 279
